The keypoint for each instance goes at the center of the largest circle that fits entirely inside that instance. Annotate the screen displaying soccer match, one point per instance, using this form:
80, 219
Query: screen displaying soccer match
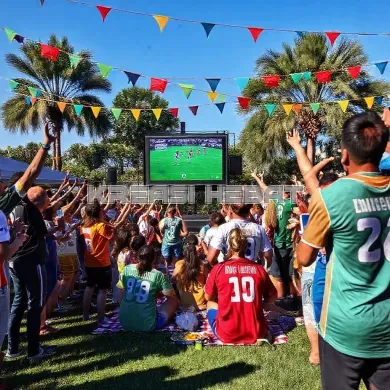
185, 159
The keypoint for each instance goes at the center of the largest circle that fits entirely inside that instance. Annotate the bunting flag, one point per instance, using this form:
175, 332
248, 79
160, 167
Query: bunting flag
244, 102
213, 83
207, 28
332, 36
74, 60
287, 108
354, 71
157, 112
300, 34
28, 100
13, 84
242, 82
343, 104
212, 95
381, 66
315, 107
103, 11
296, 77
324, 76
222, 98
161, 21
18, 38
158, 85
187, 89
10, 34
306, 76
136, 113
116, 112
78, 108
297, 107
220, 107
35, 92
49, 52
255, 32
132, 77
271, 81
174, 112
369, 101
33, 100
42, 2
194, 109
96, 111
104, 69
270, 107
379, 100
61, 106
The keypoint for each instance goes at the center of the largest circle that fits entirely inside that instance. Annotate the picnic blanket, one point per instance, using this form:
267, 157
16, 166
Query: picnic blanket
279, 328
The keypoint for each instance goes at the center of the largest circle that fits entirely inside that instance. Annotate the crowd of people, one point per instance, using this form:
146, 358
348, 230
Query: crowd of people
248, 259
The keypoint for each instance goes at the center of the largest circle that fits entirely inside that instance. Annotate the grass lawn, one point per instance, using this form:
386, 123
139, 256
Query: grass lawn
135, 361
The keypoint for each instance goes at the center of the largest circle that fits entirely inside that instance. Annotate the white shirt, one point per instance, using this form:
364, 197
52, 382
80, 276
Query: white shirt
255, 234
68, 247
4, 230
208, 238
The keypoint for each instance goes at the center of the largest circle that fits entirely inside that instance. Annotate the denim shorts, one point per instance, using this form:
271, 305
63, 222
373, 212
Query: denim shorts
212, 318
307, 298
161, 321
170, 251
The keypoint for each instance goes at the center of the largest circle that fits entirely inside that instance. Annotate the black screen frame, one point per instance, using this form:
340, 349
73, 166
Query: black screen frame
225, 145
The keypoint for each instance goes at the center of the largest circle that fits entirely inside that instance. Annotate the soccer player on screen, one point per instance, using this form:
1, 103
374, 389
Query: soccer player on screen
198, 150
189, 157
204, 150
177, 157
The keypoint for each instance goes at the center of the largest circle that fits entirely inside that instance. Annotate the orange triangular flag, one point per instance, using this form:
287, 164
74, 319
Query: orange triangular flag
161, 21
61, 106
212, 95
157, 112
96, 111
136, 113
297, 108
369, 101
287, 108
343, 104
33, 100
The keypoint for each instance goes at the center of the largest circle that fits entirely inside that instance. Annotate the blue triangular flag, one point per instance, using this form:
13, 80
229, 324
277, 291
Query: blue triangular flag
381, 66
19, 38
133, 77
213, 83
208, 27
242, 82
28, 100
220, 106
300, 34
379, 100
78, 108
270, 107
307, 76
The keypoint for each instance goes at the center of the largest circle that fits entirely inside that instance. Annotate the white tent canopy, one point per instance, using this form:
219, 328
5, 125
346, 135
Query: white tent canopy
9, 166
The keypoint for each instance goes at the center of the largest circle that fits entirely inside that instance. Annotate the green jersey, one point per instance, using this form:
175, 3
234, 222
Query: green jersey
172, 229
283, 237
138, 307
353, 216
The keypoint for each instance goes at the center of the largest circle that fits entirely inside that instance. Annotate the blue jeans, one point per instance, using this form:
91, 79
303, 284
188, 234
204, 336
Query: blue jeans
29, 285
170, 251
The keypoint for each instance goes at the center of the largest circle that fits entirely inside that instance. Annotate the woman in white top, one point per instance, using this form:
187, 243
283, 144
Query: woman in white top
216, 220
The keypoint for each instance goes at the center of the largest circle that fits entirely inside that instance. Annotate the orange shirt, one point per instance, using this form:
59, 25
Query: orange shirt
97, 239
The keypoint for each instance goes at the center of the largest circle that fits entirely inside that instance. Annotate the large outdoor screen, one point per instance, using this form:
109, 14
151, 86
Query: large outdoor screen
185, 159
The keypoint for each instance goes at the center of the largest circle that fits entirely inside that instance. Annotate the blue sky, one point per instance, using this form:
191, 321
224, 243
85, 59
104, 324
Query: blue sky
136, 44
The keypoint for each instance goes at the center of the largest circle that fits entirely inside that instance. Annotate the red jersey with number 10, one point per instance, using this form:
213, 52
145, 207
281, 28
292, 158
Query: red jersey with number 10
240, 286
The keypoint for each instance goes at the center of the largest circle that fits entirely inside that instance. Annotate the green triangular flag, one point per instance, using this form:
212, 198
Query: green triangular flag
78, 108
13, 84
222, 98
33, 91
74, 60
10, 34
296, 77
116, 112
315, 107
187, 89
270, 107
104, 69
307, 76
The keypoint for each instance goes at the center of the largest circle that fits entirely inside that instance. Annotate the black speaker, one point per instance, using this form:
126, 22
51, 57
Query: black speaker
182, 127
96, 160
235, 165
111, 176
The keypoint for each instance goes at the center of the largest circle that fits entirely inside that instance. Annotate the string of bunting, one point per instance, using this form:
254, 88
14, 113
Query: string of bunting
255, 32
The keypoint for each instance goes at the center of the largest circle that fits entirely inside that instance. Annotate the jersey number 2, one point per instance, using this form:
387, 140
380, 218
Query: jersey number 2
247, 289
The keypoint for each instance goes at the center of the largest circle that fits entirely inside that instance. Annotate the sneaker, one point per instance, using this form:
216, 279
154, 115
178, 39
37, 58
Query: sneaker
43, 353
10, 355
46, 330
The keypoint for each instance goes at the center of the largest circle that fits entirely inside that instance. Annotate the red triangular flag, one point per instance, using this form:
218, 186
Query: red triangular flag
174, 112
103, 11
255, 32
244, 102
158, 84
271, 81
49, 52
332, 36
324, 76
194, 109
354, 71
33, 100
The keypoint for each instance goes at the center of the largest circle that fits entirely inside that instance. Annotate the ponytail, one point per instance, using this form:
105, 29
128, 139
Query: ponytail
145, 259
237, 243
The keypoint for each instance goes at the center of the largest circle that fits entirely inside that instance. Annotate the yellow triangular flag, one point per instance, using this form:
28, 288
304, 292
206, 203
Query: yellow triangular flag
343, 104
161, 21
96, 111
287, 108
212, 95
157, 112
61, 106
136, 113
369, 101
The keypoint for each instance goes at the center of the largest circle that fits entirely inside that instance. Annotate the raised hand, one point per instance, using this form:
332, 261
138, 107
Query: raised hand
294, 139
254, 173
48, 138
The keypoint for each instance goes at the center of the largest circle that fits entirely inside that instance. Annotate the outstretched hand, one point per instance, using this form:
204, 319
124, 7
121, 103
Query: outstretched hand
49, 138
254, 173
294, 139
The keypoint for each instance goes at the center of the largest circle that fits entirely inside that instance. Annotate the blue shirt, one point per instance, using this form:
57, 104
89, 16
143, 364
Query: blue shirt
319, 285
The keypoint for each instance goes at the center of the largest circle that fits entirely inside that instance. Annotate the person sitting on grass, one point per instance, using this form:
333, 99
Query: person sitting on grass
235, 291
190, 275
142, 284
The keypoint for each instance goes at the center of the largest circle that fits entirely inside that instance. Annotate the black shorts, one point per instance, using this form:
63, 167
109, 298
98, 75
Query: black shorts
281, 267
343, 372
99, 276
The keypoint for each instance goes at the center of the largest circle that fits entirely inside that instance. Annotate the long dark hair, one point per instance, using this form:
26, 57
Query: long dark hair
145, 259
122, 241
191, 269
92, 213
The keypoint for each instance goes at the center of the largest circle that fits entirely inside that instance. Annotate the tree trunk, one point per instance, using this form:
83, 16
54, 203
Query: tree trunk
311, 149
58, 150
54, 162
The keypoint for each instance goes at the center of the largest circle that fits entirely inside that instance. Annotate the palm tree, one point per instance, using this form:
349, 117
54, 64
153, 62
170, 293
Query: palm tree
57, 81
264, 137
